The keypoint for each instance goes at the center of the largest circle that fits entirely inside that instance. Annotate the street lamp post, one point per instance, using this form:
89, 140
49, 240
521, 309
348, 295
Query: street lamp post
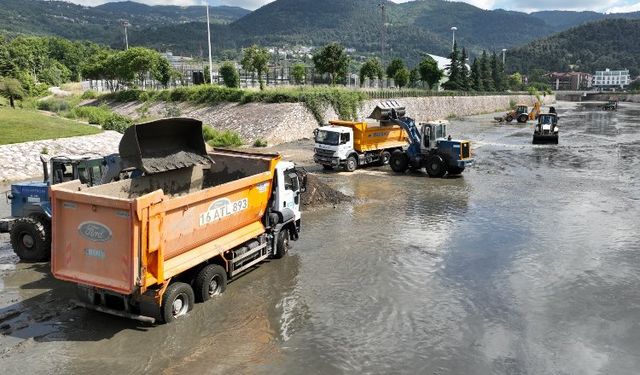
453, 43
125, 24
382, 32
209, 40
504, 51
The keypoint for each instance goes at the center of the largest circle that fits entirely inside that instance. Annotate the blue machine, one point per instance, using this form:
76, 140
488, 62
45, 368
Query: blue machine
30, 221
430, 148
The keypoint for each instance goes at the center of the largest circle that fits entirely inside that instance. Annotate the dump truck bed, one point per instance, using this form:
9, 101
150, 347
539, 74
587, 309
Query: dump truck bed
133, 234
372, 137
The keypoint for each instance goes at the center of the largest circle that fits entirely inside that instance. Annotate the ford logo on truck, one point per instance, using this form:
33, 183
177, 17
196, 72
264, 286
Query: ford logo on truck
94, 231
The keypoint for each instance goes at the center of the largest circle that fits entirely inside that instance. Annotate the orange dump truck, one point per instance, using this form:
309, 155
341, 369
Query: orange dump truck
351, 144
147, 248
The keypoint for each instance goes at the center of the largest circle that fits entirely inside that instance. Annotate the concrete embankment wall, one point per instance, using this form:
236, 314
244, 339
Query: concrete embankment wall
286, 122
574, 96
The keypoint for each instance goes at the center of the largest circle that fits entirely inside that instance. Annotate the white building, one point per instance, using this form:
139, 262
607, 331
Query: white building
611, 78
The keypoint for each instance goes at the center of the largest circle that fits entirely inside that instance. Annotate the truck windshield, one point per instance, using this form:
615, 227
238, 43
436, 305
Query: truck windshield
328, 138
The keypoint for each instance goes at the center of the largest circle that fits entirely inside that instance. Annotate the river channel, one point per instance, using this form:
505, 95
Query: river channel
527, 264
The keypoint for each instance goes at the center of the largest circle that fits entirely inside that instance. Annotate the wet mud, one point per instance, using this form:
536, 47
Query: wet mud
526, 264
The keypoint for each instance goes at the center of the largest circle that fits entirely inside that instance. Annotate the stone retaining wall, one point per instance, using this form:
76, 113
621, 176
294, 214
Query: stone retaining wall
286, 122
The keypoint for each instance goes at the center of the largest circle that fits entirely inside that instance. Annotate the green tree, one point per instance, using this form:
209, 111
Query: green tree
230, 75
429, 72
256, 59
485, 73
332, 59
455, 76
162, 71
414, 77
298, 73
476, 76
515, 82
11, 89
497, 73
401, 77
370, 69
394, 67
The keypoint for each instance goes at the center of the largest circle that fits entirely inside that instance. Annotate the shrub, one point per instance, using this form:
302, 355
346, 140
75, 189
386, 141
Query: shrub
221, 138
117, 122
89, 94
260, 143
53, 105
93, 115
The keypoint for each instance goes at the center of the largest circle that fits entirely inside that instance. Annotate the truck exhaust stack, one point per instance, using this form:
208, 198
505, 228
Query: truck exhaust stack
164, 145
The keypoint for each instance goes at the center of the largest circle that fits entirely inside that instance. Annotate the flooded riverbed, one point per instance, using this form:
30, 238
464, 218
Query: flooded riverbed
525, 265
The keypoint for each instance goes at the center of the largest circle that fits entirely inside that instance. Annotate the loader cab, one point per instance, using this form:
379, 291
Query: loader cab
547, 123
63, 169
431, 133
522, 109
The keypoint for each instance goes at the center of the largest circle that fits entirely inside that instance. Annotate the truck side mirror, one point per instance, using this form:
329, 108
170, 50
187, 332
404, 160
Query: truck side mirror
315, 132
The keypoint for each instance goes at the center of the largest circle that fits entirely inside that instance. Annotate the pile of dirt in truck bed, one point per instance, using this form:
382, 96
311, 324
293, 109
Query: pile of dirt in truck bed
320, 194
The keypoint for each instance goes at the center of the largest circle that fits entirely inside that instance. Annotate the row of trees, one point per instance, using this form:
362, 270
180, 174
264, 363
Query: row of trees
486, 73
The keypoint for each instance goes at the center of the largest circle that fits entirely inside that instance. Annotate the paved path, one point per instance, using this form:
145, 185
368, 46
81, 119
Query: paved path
21, 161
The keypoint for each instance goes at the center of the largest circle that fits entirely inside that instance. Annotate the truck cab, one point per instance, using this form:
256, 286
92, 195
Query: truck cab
333, 145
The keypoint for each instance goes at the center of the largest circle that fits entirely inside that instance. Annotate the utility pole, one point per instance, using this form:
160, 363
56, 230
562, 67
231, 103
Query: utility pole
125, 24
453, 43
382, 32
209, 40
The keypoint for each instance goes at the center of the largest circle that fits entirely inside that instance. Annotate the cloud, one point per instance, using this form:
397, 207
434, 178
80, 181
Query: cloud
625, 8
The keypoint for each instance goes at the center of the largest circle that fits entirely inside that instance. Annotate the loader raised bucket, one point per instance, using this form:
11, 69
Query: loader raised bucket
382, 112
164, 145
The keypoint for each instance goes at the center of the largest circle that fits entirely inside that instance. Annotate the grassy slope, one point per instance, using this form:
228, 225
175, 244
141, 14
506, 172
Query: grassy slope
18, 125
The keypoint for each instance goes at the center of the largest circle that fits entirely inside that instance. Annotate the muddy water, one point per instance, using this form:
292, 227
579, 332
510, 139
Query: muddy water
526, 265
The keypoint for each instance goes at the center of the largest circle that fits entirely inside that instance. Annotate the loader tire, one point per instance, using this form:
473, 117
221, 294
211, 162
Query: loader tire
454, 171
436, 166
210, 281
177, 301
509, 118
523, 118
399, 161
31, 240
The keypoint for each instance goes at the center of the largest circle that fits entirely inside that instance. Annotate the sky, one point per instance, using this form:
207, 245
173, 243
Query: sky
611, 6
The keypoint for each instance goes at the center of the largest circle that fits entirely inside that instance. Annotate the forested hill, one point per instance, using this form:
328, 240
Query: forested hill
102, 23
593, 46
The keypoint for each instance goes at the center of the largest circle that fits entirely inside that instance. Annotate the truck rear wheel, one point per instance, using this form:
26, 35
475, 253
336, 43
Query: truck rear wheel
31, 240
399, 161
177, 301
211, 281
385, 156
436, 166
351, 164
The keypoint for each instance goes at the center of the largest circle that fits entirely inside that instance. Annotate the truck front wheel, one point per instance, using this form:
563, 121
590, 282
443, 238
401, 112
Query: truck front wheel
351, 164
211, 281
436, 166
399, 161
30, 240
177, 301
283, 244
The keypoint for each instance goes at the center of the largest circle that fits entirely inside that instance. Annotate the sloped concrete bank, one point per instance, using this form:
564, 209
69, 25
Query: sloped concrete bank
287, 122
22, 160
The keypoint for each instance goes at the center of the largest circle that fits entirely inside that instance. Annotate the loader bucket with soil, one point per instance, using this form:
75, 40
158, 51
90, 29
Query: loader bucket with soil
164, 145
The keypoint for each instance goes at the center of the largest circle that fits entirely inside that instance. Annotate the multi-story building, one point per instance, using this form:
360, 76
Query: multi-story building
572, 81
611, 79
